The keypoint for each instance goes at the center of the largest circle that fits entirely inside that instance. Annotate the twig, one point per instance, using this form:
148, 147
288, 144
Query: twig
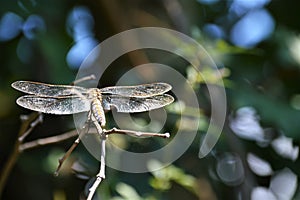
85, 78
35, 118
75, 144
101, 175
15, 153
102, 160
135, 133
103, 134
66, 155
48, 140
29, 122
33, 124
70, 150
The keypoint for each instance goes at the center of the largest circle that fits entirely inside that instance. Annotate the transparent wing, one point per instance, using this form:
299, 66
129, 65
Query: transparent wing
48, 90
133, 104
58, 106
145, 90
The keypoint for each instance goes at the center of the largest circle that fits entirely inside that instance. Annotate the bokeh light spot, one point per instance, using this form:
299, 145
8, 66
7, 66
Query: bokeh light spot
33, 26
252, 28
10, 26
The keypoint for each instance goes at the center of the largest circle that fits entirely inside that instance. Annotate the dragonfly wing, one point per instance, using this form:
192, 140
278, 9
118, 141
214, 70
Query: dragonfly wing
58, 106
48, 90
145, 90
134, 104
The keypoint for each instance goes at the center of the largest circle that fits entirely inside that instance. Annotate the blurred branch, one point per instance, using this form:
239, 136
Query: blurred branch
28, 124
113, 10
176, 14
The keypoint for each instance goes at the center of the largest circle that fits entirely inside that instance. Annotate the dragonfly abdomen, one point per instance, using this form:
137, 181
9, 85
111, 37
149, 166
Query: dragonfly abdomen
97, 110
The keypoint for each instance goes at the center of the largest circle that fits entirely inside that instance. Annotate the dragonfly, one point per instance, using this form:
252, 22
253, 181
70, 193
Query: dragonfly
68, 99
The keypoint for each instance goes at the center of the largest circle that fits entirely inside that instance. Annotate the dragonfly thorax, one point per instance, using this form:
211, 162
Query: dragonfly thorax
97, 107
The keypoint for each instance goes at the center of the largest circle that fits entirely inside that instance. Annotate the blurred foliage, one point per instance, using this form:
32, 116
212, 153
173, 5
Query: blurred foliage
265, 77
